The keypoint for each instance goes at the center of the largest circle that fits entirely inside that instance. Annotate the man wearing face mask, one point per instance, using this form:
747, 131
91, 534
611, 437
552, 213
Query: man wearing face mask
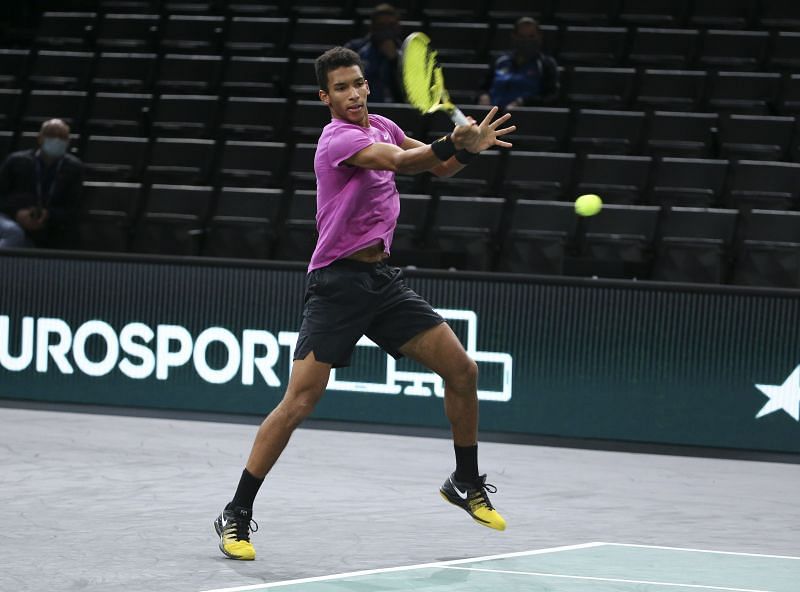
524, 76
378, 52
39, 192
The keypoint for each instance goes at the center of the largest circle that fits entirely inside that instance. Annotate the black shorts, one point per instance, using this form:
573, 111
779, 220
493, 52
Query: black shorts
348, 299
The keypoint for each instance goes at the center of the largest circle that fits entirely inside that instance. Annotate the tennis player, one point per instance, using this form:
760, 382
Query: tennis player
351, 290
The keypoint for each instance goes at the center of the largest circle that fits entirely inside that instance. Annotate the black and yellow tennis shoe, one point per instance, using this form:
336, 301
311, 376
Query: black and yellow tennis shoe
233, 527
474, 499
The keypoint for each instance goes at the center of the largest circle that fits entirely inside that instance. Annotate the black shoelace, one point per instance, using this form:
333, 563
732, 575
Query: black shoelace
244, 527
483, 489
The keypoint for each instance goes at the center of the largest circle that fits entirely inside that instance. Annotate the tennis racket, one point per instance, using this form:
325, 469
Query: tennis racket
423, 79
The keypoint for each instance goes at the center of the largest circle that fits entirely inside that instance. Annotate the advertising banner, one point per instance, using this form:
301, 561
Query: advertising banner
633, 361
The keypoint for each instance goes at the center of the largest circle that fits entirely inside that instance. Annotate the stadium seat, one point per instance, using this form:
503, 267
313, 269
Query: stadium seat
244, 224
42, 105
779, 14
463, 80
542, 129
538, 237
539, 175
189, 73
185, 116
617, 179
785, 52
460, 41
252, 118
119, 114
107, 213
407, 247
477, 179
6, 143
124, 72
743, 92
504, 11
789, 99
731, 14
10, 102
464, 230
675, 133
405, 116
185, 161
652, 13
252, 164
763, 185
128, 32
606, 132
670, 90
616, 243
602, 88
191, 33
687, 182
695, 245
768, 250
303, 79
308, 119
13, 67
301, 167
173, 220
256, 8
592, 46
662, 48
257, 36
733, 50
318, 8
312, 36
591, 12
298, 235
755, 137
256, 76
62, 70
66, 30
114, 158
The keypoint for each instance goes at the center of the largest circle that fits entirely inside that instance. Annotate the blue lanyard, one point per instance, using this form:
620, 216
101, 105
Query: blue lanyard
39, 172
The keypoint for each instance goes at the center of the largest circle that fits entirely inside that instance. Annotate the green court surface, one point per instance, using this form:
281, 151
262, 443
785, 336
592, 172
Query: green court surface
590, 567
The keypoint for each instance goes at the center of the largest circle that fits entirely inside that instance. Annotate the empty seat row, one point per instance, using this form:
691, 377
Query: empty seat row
701, 13
755, 247
513, 175
625, 87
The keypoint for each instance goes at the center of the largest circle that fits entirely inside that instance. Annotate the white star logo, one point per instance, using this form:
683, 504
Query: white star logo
785, 396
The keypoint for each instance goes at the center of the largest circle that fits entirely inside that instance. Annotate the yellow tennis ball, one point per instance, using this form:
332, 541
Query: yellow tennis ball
588, 205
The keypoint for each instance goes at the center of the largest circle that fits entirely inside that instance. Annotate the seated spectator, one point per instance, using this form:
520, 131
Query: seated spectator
523, 76
379, 51
39, 192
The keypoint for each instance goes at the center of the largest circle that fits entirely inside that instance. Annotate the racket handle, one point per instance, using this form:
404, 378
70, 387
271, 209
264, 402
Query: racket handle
458, 117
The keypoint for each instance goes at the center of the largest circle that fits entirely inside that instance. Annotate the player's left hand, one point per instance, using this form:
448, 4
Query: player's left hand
479, 137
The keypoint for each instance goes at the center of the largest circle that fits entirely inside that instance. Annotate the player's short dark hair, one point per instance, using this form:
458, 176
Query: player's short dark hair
336, 57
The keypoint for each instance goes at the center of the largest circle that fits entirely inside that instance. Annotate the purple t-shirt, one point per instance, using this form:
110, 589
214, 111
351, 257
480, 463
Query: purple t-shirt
355, 207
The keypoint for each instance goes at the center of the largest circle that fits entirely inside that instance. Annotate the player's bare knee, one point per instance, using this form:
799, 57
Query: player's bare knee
463, 380
298, 405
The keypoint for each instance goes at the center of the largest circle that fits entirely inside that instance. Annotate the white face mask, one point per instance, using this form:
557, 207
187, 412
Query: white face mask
54, 147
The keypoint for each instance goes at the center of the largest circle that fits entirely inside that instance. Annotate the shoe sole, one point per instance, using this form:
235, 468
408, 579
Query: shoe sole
457, 505
218, 530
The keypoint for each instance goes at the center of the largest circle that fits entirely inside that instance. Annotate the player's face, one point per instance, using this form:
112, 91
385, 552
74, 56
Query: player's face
347, 94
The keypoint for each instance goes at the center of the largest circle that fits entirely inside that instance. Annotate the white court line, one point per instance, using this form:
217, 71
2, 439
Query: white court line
702, 551
598, 579
368, 572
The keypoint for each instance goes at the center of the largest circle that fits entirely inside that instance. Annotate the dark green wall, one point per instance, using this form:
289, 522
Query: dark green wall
591, 359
